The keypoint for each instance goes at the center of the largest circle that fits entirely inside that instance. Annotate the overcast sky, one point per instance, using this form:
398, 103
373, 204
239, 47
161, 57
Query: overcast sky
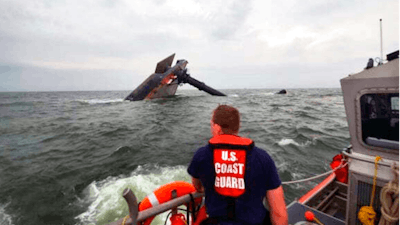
73, 45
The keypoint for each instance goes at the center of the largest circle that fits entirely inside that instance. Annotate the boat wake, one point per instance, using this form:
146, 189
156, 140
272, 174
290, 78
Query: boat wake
104, 200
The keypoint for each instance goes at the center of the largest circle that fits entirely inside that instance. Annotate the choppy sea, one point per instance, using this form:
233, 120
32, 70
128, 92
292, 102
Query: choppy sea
66, 157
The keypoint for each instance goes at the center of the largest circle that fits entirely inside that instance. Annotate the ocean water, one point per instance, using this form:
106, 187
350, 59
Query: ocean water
66, 157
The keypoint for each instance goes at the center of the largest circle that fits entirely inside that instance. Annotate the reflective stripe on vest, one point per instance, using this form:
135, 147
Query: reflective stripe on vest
230, 163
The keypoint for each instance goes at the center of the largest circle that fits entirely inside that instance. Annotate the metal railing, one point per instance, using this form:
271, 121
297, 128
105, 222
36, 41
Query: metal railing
135, 216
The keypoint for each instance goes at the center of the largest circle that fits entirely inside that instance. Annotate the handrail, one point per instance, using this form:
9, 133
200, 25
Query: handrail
136, 216
367, 158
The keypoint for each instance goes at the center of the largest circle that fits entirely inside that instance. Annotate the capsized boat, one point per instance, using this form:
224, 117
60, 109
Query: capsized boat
362, 188
165, 81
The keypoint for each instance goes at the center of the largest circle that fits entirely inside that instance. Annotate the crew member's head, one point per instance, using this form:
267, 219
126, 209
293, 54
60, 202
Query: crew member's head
225, 120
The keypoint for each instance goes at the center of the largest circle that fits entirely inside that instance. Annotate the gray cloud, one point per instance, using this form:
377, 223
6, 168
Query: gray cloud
30, 78
120, 42
230, 19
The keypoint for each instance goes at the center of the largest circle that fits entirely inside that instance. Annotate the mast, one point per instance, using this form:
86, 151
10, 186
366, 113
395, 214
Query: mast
381, 61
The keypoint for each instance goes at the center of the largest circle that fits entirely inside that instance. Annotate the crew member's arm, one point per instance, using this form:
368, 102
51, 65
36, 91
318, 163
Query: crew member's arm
198, 185
277, 206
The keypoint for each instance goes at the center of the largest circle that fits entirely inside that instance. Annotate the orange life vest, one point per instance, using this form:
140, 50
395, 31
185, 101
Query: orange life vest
230, 153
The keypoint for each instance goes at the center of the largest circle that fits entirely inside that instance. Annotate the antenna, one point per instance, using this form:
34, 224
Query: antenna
381, 61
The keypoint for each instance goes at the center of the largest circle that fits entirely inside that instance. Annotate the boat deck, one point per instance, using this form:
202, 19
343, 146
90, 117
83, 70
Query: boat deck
296, 212
327, 201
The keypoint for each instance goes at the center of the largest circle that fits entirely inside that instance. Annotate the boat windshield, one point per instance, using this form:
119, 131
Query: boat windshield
380, 120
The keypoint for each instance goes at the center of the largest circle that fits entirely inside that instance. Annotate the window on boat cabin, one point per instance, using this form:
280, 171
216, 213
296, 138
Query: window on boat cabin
380, 120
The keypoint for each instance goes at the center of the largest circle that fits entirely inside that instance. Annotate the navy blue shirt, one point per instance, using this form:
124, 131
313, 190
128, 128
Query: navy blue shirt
261, 175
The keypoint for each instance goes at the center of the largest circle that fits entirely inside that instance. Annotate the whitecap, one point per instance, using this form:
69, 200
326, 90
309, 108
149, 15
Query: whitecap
103, 101
105, 200
268, 93
286, 141
98, 101
5, 219
262, 93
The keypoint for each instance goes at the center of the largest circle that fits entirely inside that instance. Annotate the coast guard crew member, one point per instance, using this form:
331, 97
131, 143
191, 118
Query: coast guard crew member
236, 176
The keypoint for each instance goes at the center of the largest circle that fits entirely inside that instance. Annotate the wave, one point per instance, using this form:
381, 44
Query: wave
288, 141
311, 108
268, 93
285, 142
30, 103
122, 150
280, 104
304, 114
99, 101
263, 94
289, 174
115, 132
104, 198
86, 137
323, 93
5, 219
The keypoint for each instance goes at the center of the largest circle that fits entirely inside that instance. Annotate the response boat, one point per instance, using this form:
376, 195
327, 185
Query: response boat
366, 180
363, 186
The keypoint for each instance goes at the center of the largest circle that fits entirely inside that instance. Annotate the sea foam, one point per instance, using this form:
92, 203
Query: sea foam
105, 200
5, 219
288, 141
103, 101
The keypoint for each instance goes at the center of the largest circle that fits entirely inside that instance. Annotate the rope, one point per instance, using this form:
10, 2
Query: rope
390, 200
366, 215
315, 177
375, 176
124, 221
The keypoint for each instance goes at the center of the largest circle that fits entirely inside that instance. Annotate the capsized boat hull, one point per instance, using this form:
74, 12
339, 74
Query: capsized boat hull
165, 80
163, 83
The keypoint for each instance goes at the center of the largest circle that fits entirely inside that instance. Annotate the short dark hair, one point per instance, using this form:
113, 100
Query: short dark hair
228, 118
